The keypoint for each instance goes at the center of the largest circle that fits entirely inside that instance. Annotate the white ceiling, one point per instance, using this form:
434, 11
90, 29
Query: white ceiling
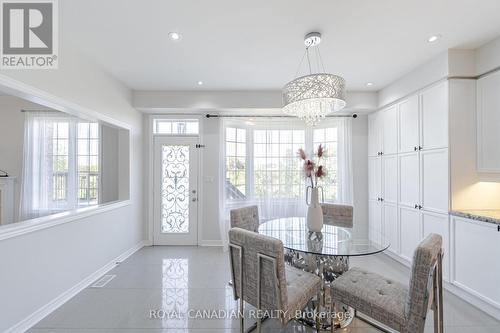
257, 44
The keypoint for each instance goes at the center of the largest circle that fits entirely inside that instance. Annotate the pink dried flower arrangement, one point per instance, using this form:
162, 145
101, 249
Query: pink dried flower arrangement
313, 170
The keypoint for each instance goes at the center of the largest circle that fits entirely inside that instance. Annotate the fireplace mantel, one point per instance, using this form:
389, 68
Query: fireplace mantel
7, 200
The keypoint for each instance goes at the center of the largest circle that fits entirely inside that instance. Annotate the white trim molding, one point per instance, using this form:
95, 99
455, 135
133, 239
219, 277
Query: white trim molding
211, 242
21, 228
48, 308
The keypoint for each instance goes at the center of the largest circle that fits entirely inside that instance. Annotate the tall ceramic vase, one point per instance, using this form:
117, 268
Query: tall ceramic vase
314, 213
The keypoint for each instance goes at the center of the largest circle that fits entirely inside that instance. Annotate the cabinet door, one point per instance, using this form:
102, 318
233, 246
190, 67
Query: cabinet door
374, 178
488, 118
439, 224
434, 180
476, 249
390, 179
374, 134
408, 124
375, 225
390, 226
409, 222
434, 117
390, 130
409, 179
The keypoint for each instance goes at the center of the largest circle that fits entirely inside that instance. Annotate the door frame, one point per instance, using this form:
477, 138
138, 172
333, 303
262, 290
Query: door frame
149, 158
188, 238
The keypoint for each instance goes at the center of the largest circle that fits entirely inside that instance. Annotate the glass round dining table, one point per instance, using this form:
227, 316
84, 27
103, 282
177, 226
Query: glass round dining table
326, 254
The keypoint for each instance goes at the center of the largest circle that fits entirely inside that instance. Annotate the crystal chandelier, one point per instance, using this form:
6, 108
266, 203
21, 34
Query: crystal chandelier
312, 97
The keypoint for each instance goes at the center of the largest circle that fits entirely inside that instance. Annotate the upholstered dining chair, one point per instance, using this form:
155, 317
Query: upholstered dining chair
246, 218
338, 215
402, 308
262, 279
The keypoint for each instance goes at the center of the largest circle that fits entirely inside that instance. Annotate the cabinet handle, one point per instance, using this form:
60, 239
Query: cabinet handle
420, 148
420, 207
381, 199
498, 228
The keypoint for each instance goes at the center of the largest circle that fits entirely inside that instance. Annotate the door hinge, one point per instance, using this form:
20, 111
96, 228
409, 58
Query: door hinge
199, 146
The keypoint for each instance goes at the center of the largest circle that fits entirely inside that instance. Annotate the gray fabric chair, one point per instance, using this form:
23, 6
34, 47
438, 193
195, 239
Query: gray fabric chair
402, 308
262, 279
338, 215
246, 218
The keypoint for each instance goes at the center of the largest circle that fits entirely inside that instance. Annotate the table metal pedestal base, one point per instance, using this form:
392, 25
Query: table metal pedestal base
328, 268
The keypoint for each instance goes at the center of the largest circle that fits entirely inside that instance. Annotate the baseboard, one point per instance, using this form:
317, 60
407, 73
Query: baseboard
473, 300
457, 290
48, 308
211, 242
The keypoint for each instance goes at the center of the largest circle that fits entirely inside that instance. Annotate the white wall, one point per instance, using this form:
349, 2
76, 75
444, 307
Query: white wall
39, 266
268, 100
488, 57
360, 174
109, 164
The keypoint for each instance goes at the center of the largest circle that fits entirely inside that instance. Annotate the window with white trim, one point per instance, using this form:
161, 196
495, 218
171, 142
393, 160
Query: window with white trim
261, 160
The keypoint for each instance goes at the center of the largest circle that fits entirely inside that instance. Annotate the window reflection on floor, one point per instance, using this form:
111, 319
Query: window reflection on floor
175, 293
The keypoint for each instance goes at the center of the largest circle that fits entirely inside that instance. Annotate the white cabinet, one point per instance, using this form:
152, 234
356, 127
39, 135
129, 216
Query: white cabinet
383, 132
390, 130
434, 116
433, 223
374, 134
409, 172
409, 176
374, 178
409, 136
375, 216
434, 180
390, 179
488, 123
423, 120
476, 264
390, 226
409, 221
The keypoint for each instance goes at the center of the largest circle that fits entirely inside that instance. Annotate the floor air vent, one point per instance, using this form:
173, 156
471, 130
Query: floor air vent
103, 281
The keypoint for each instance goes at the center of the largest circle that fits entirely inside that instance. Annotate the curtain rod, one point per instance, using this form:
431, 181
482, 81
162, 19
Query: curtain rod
208, 115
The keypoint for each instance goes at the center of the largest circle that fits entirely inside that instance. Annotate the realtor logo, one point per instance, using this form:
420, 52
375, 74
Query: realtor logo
29, 34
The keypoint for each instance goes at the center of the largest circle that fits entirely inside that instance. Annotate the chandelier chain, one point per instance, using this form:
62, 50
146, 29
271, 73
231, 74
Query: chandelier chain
300, 63
308, 60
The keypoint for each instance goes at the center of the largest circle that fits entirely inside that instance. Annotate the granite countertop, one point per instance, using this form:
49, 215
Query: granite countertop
484, 215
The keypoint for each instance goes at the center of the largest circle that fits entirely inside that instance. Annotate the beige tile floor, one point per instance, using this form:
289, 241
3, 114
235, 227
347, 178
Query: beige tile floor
184, 278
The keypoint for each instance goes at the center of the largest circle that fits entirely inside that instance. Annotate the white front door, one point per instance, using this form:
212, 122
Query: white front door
175, 191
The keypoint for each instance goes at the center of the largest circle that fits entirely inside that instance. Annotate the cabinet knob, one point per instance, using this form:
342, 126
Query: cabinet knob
420, 148
420, 207
415, 148
416, 206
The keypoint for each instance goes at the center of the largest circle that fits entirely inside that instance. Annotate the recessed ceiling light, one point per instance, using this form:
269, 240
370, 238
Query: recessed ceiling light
369, 84
433, 38
174, 35
200, 83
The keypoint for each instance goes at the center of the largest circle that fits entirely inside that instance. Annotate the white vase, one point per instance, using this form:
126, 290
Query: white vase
314, 213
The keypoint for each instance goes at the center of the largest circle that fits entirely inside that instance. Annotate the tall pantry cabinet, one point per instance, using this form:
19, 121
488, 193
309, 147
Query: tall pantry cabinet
409, 172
